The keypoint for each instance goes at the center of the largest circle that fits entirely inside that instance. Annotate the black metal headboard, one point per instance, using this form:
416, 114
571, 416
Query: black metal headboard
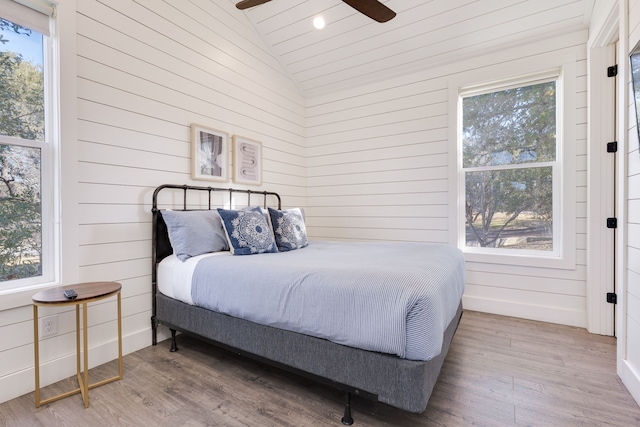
160, 244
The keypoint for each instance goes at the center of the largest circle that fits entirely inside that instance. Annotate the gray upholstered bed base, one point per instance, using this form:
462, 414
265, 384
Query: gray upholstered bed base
406, 384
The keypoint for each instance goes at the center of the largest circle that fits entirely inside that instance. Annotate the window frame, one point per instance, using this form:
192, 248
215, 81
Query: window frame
555, 165
515, 74
49, 172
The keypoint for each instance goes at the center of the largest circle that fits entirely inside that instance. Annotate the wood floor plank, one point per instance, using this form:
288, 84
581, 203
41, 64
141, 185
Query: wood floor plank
500, 371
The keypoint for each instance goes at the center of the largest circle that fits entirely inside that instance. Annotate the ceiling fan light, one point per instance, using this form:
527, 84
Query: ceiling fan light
318, 22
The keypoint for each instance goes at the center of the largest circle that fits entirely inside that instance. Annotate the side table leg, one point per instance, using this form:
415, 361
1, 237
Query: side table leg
36, 351
83, 392
119, 335
86, 354
78, 367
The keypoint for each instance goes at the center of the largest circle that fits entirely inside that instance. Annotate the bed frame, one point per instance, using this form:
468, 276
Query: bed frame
405, 384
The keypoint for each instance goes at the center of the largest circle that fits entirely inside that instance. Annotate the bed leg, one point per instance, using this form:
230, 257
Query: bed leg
154, 331
346, 419
174, 346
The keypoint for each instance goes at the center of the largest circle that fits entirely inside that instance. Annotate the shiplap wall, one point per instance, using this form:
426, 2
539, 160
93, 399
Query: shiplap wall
147, 69
378, 169
629, 355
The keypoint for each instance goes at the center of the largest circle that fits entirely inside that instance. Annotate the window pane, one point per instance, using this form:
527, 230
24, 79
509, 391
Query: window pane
20, 212
512, 126
510, 208
22, 117
21, 82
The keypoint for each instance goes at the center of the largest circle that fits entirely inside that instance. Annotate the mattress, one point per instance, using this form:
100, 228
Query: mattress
175, 277
394, 298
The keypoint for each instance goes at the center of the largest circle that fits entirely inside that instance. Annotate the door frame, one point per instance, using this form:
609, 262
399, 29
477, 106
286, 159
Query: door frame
601, 180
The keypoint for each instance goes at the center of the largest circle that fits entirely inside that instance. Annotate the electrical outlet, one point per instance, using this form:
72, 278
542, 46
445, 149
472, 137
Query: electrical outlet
48, 326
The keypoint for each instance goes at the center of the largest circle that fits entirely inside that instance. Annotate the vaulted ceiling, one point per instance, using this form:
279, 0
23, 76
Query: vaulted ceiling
353, 49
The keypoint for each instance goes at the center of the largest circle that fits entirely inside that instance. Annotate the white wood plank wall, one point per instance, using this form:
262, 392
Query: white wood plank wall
629, 366
147, 69
377, 169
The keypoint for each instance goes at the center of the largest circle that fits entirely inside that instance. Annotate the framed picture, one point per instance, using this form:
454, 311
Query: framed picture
247, 161
209, 154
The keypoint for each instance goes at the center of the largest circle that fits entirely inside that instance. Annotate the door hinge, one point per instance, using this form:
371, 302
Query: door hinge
612, 222
612, 298
612, 147
612, 71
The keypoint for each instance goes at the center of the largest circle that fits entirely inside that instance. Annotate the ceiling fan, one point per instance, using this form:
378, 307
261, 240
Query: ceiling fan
371, 8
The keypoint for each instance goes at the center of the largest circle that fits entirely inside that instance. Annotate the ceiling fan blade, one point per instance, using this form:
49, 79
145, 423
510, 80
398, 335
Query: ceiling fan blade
372, 8
246, 4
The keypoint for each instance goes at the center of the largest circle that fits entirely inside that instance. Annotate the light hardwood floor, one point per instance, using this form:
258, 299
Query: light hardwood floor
500, 371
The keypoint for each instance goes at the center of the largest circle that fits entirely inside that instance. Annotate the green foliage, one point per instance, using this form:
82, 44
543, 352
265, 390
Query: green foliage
21, 97
22, 106
20, 212
20, 231
507, 193
500, 129
510, 127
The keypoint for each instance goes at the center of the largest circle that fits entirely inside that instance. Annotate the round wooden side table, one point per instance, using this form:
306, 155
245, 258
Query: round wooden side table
86, 293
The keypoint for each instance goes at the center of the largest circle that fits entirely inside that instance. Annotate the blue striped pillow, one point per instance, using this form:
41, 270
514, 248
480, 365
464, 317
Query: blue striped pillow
193, 233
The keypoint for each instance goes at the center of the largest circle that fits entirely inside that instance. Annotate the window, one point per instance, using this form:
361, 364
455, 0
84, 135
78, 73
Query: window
26, 147
510, 168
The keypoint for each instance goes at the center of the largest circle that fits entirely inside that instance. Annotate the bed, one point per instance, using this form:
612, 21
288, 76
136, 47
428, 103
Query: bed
370, 319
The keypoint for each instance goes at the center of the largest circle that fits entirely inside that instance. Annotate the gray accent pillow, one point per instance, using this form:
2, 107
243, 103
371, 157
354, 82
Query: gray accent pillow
195, 232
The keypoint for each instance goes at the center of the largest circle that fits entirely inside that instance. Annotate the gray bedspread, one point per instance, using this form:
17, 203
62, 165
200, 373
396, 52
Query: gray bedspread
395, 298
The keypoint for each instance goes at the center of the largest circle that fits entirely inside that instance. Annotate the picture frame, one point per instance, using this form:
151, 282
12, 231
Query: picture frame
247, 161
209, 154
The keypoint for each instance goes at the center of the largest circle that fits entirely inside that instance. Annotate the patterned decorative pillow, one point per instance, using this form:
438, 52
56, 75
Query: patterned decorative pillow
195, 232
289, 229
247, 231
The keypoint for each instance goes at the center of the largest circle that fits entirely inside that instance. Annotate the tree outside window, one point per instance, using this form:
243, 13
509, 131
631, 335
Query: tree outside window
509, 156
22, 120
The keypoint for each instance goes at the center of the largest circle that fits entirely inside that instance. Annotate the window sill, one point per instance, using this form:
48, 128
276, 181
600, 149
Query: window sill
21, 296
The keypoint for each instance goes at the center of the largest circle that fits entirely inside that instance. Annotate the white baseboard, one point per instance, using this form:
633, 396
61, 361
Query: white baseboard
526, 311
630, 378
22, 382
